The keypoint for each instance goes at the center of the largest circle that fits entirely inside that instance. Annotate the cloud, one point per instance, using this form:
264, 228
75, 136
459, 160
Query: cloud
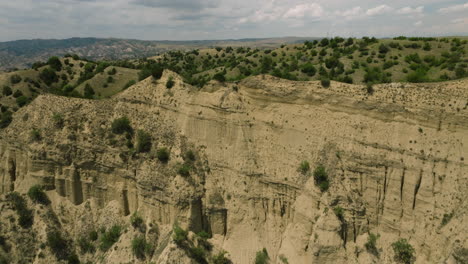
418, 23
303, 10
379, 10
453, 8
349, 14
410, 11
178, 4
215, 19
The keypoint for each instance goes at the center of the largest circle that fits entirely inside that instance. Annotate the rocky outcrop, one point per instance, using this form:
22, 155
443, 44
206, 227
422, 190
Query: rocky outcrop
396, 162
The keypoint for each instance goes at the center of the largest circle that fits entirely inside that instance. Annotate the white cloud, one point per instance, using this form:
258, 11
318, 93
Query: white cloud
454, 8
410, 11
352, 13
379, 10
303, 10
418, 23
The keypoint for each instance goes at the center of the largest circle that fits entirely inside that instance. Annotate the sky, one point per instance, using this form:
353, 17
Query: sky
228, 19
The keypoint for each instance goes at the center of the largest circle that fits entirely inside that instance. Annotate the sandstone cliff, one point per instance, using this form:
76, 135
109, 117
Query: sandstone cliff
396, 159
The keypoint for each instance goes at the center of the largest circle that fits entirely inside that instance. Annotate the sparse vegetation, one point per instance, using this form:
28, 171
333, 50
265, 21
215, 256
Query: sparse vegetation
110, 237
35, 135
339, 212
221, 258
135, 220
404, 252
140, 247
58, 245
304, 167
371, 244
86, 246
179, 235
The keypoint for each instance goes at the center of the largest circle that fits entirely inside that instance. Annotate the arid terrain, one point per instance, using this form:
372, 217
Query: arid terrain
263, 168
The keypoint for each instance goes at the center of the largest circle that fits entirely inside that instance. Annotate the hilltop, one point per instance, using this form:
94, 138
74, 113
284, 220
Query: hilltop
22, 54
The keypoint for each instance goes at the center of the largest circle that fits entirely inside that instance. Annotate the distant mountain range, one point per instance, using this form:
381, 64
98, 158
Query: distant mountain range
23, 53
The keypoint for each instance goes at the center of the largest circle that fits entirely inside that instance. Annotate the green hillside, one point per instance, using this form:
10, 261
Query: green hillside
366, 60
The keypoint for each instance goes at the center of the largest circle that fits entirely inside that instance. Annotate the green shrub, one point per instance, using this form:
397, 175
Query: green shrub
57, 244
140, 247
93, 235
54, 63
73, 259
198, 254
112, 72
170, 82
17, 93
88, 91
163, 155
369, 89
48, 76
283, 259
130, 83
339, 212
22, 101
58, 120
371, 244
325, 82
404, 252
136, 220
35, 135
184, 170
37, 195
110, 79
121, 125
221, 258
157, 72
7, 90
86, 246
219, 77
15, 78
5, 119
321, 178
143, 142
304, 167
262, 257
189, 156
446, 218
110, 237
179, 235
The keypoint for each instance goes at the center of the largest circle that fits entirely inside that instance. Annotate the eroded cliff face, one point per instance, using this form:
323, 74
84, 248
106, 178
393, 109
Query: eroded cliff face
396, 162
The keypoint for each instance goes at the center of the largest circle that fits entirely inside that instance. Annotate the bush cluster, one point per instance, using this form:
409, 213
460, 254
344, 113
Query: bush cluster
37, 195
404, 252
26, 216
321, 178
121, 125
